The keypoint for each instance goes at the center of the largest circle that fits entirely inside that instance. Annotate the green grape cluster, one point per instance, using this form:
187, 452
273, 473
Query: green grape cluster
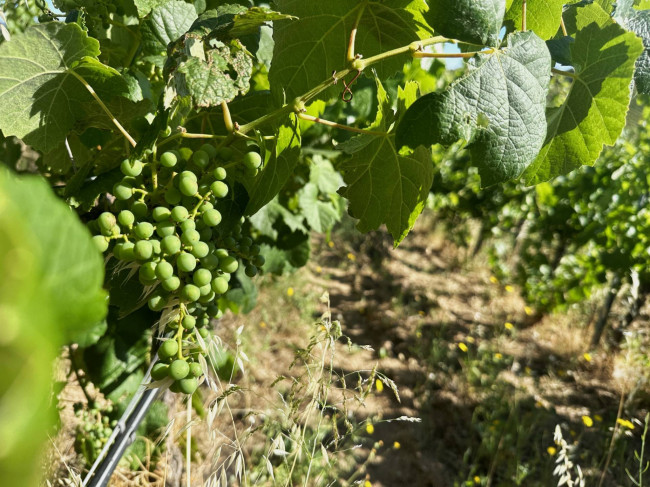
93, 431
95, 9
164, 223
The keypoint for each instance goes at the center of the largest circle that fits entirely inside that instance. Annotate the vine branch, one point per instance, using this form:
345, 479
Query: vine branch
311, 118
353, 33
564, 73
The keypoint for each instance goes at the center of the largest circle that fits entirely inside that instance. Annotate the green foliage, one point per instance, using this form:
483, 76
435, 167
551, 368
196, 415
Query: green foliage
476, 22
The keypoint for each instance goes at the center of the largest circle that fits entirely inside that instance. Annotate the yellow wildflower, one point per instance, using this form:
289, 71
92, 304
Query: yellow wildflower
624, 422
587, 421
379, 385
397, 445
367, 484
463, 347
370, 429
319, 269
509, 326
262, 324
598, 418
493, 279
470, 340
290, 292
498, 356
586, 356
528, 310
421, 313
509, 288
330, 244
477, 479
551, 450
351, 256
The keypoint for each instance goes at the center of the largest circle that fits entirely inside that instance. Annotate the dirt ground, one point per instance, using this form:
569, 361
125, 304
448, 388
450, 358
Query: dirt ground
430, 319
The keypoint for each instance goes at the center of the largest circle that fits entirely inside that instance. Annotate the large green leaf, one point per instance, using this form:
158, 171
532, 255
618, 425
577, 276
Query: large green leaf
40, 98
593, 113
542, 16
278, 169
498, 108
385, 185
639, 23
44, 300
309, 49
473, 21
167, 23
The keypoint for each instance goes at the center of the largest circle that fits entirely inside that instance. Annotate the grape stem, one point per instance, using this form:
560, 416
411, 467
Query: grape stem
104, 107
198, 205
353, 33
564, 73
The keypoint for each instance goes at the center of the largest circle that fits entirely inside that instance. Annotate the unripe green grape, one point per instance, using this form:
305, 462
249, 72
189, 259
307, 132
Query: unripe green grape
168, 159
219, 285
228, 264
190, 237
188, 322
201, 159
225, 153
207, 298
204, 332
173, 196
125, 218
220, 174
200, 249
101, 243
114, 231
252, 160
147, 271
157, 302
187, 225
206, 234
160, 214
250, 270
190, 293
210, 150
187, 175
139, 209
251, 173
246, 241
227, 277
171, 284
179, 369
143, 230
168, 348
159, 371
229, 242
212, 217
200, 224
188, 187
205, 289
165, 229
106, 221
244, 249
195, 369
219, 189
188, 386
204, 188
186, 263
210, 261
131, 169
214, 311
127, 252
179, 213
122, 191
185, 153
164, 270
175, 387
117, 250
143, 250
202, 277
170, 245
221, 253
259, 261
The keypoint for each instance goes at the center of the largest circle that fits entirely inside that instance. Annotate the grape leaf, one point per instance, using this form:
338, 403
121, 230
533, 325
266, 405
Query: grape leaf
385, 185
542, 16
318, 200
166, 24
309, 49
145, 6
473, 21
497, 107
234, 21
593, 113
560, 49
278, 169
40, 98
639, 23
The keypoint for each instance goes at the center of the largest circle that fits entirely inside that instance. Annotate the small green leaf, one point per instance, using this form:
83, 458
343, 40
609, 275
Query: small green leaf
278, 169
167, 23
145, 6
473, 21
542, 16
593, 113
560, 50
307, 50
497, 107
